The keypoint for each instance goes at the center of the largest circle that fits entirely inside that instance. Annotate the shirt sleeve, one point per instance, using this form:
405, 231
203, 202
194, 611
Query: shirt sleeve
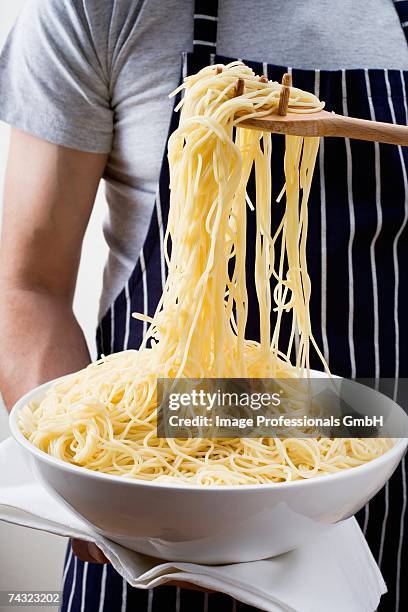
53, 80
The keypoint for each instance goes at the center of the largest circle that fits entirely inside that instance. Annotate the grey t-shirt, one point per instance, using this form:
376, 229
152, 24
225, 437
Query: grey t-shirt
94, 75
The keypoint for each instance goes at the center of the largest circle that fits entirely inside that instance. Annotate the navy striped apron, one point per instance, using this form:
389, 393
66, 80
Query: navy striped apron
357, 249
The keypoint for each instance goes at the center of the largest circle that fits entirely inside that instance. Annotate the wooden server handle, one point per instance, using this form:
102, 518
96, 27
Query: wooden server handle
324, 123
363, 129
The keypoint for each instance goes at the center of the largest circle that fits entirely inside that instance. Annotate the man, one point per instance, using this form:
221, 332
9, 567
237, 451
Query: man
84, 85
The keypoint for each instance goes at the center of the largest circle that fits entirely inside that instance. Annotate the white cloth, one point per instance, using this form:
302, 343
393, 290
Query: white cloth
337, 572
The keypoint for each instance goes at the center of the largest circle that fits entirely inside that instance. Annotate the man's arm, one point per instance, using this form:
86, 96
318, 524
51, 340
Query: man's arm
48, 198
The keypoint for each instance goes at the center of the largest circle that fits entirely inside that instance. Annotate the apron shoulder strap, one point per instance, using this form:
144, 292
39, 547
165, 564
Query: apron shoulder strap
205, 25
402, 10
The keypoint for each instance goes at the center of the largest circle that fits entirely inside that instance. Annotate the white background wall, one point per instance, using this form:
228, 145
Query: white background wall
31, 559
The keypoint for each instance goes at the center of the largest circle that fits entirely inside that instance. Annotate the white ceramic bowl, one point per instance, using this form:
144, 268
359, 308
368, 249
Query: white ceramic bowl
211, 525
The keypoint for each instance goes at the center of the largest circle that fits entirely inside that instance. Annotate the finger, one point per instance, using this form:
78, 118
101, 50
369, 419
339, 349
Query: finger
88, 551
80, 549
96, 553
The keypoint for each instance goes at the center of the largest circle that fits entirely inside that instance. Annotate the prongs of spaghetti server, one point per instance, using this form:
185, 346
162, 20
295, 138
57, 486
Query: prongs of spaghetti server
284, 95
239, 87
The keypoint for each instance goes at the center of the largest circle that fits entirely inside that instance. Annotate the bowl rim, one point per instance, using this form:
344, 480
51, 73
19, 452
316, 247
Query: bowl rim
399, 447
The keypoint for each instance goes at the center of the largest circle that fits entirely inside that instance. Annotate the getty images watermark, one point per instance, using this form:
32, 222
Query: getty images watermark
269, 407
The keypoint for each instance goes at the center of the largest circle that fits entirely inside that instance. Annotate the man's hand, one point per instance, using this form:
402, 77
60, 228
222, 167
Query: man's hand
88, 551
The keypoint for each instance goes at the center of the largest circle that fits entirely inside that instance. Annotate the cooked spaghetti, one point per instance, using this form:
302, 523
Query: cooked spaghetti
104, 417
